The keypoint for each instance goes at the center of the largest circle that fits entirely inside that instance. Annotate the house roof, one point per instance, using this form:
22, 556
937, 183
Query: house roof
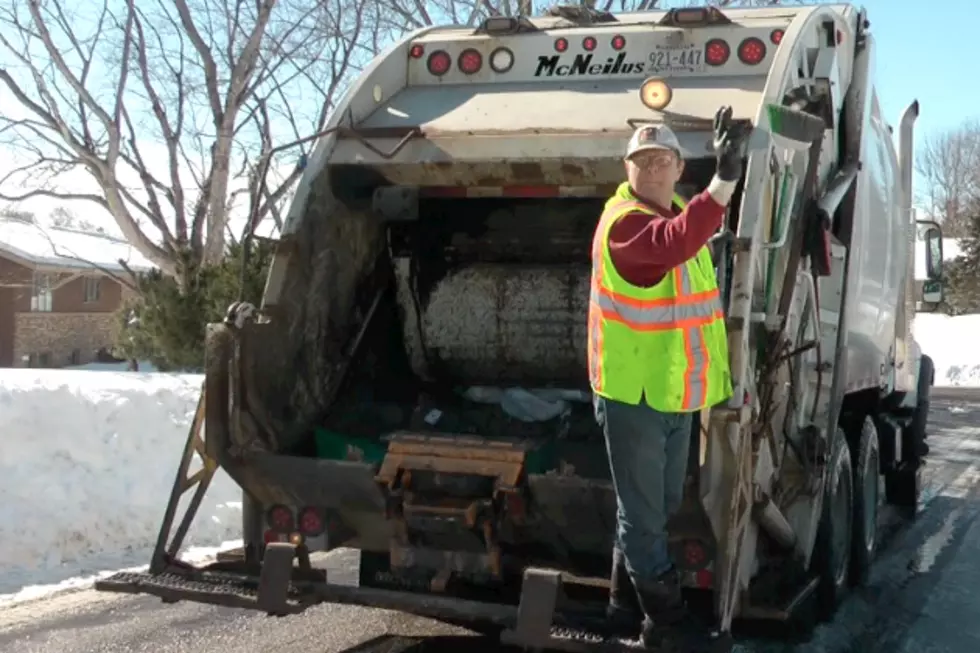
67, 248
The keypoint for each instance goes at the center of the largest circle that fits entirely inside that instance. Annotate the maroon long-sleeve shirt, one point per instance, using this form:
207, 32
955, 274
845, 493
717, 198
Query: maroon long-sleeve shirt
645, 248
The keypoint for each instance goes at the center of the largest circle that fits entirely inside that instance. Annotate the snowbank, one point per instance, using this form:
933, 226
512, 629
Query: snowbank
952, 344
87, 461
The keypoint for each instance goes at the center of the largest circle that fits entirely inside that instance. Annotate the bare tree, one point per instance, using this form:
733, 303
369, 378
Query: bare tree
949, 163
155, 102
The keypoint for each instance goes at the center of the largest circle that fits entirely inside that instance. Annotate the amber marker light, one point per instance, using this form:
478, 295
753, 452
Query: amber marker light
655, 94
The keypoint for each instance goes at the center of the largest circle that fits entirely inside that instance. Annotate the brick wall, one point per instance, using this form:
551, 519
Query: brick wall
59, 334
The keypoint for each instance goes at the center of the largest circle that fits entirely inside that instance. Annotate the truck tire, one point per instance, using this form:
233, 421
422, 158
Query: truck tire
867, 501
832, 550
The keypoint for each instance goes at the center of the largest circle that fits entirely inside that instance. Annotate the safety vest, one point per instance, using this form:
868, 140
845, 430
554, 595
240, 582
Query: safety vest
666, 343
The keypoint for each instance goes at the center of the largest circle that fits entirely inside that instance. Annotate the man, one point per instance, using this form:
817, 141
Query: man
658, 354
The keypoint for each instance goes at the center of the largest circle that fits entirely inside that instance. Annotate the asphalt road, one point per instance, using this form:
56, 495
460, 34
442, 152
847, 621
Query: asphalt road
923, 597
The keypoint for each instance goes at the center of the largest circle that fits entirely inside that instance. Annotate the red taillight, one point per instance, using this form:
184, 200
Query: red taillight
751, 51
280, 518
776, 36
310, 521
589, 43
470, 61
561, 44
695, 557
704, 579
439, 63
716, 52
619, 42
416, 51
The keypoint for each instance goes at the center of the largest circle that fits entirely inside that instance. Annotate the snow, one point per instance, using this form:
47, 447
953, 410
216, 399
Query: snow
68, 248
947, 340
87, 461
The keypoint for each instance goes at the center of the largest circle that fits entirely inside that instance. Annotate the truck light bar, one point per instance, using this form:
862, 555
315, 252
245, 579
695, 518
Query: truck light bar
500, 25
694, 17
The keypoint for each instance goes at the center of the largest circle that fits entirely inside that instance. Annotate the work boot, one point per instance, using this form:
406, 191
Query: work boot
669, 627
623, 613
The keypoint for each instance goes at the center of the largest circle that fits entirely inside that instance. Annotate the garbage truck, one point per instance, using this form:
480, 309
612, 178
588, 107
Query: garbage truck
414, 383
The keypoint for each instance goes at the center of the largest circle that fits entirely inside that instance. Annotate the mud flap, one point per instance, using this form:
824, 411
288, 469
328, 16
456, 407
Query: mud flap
274, 580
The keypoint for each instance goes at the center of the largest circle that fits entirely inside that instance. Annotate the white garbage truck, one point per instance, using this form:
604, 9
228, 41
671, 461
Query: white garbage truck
414, 383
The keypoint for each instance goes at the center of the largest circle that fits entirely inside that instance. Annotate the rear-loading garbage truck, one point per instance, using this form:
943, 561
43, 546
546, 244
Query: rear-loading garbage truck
414, 384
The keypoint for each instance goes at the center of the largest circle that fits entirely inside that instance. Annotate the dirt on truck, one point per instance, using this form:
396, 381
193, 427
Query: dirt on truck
415, 382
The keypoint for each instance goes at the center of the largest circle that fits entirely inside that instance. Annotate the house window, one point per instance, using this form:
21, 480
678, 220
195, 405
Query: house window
41, 294
93, 287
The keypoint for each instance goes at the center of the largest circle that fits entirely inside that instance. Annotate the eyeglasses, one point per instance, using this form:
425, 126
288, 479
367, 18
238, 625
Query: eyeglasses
649, 160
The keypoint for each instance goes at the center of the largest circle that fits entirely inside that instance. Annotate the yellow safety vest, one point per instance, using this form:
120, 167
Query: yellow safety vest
666, 343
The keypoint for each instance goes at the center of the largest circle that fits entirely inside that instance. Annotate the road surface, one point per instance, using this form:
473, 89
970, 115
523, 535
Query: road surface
923, 596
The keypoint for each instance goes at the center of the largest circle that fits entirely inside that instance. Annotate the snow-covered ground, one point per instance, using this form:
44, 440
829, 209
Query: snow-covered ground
87, 461
953, 345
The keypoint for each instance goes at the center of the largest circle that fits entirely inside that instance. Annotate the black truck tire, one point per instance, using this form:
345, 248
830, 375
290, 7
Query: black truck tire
832, 550
867, 501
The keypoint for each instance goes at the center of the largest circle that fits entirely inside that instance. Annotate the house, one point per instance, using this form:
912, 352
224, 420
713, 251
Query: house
59, 290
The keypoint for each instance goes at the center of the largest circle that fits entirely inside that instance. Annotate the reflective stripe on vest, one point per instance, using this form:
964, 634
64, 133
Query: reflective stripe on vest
684, 311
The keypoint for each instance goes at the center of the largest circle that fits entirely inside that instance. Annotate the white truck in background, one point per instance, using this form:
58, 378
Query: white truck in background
438, 250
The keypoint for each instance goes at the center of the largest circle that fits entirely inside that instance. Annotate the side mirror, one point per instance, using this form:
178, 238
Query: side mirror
933, 237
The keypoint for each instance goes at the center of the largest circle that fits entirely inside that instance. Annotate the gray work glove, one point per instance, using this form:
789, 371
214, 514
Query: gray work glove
729, 139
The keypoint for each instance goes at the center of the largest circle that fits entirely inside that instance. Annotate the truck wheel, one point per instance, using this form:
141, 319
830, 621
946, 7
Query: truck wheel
832, 551
867, 499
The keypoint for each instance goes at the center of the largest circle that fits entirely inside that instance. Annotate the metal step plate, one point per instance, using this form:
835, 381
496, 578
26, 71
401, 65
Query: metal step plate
227, 590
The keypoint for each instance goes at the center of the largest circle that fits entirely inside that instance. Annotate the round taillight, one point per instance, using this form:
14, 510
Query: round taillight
716, 52
310, 521
416, 51
439, 63
501, 60
618, 42
561, 44
776, 36
589, 43
470, 61
694, 554
656, 94
751, 51
280, 518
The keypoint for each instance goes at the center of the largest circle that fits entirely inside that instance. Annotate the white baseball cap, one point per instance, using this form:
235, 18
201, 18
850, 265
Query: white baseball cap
652, 137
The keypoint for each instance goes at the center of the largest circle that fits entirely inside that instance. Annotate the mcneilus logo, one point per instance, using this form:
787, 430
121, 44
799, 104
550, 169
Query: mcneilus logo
583, 65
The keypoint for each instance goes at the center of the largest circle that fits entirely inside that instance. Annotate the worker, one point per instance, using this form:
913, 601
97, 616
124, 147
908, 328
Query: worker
658, 354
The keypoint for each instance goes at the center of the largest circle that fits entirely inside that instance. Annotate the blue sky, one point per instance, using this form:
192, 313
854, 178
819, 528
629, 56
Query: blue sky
924, 51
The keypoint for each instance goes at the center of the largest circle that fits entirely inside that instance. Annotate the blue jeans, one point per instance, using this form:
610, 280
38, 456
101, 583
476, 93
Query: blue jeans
648, 459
